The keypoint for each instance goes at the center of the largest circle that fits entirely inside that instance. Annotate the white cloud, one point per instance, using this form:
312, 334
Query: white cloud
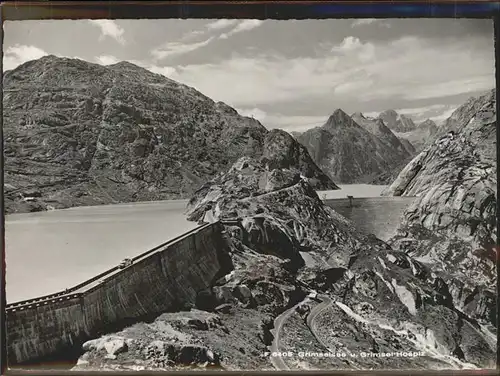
363, 21
408, 69
221, 24
19, 54
165, 71
106, 60
253, 112
181, 48
110, 28
178, 48
245, 25
436, 112
352, 87
421, 110
369, 21
299, 123
444, 115
441, 89
353, 45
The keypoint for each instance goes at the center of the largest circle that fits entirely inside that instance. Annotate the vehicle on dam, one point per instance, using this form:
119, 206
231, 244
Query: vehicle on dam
125, 262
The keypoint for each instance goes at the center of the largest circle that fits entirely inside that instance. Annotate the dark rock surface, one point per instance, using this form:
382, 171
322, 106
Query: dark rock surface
351, 152
80, 134
451, 226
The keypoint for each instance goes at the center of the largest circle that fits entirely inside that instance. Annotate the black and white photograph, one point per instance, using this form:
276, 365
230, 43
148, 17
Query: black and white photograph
250, 195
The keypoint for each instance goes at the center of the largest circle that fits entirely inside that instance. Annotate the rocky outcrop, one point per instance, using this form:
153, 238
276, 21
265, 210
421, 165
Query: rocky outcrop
408, 146
397, 122
399, 146
465, 113
454, 180
429, 126
353, 153
391, 300
80, 134
424, 134
381, 131
283, 244
451, 226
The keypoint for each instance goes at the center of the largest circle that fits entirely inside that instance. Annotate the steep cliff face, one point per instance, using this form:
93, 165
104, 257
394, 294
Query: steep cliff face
350, 152
462, 115
78, 133
452, 224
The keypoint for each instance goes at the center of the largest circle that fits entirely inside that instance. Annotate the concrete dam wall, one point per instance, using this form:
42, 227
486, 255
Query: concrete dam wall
380, 216
157, 281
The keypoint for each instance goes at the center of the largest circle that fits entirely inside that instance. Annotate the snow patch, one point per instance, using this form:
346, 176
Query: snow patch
382, 262
349, 312
389, 286
390, 258
405, 296
413, 268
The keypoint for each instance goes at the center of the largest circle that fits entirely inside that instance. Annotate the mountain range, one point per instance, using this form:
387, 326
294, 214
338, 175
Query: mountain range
355, 149
78, 134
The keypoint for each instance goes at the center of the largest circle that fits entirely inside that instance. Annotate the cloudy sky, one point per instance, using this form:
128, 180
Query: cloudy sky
289, 74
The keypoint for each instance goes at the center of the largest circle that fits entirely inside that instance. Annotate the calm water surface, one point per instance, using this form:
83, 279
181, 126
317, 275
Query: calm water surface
49, 251
356, 190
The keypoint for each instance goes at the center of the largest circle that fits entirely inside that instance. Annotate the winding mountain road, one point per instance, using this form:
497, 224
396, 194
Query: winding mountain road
326, 302
276, 358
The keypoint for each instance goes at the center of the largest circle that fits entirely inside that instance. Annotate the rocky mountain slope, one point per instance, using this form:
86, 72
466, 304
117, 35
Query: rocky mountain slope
377, 127
284, 243
424, 133
78, 134
451, 225
353, 151
397, 122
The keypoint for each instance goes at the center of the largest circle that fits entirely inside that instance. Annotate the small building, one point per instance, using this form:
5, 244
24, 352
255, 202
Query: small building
313, 295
